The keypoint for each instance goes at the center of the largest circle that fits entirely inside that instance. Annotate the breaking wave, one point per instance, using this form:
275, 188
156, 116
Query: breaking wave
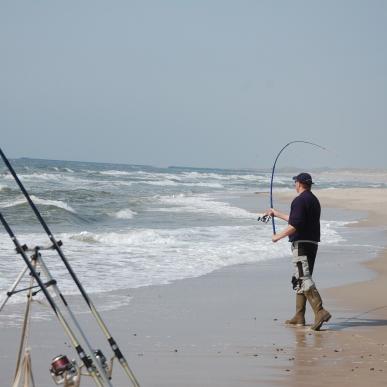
201, 204
125, 214
42, 202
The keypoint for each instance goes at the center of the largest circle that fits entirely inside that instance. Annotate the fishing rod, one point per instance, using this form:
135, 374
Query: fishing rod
56, 245
273, 171
92, 353
87, 361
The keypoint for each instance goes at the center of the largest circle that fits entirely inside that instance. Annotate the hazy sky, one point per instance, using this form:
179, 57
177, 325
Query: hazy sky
196, 83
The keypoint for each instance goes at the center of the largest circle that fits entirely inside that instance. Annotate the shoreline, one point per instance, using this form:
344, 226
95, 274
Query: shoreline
226, 328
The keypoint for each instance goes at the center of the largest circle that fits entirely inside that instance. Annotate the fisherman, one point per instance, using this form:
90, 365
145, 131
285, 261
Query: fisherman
303, 231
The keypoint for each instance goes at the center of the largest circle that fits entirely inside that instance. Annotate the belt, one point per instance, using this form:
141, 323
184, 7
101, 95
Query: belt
295, 243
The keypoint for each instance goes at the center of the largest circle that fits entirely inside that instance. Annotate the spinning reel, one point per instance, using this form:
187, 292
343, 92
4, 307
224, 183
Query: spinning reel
68, 373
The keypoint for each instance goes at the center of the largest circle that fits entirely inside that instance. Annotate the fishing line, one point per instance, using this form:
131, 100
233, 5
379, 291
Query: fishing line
273, 170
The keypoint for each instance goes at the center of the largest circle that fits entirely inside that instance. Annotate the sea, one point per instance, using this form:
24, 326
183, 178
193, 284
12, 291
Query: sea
128, 226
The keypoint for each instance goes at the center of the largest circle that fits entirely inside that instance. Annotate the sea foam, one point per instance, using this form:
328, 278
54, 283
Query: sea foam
201, 204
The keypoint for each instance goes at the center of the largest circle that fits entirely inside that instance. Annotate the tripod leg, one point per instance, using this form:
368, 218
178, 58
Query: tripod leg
20, 363
12, 288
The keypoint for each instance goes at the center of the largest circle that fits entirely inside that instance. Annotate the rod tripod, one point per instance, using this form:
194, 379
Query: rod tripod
71, 377
88, 357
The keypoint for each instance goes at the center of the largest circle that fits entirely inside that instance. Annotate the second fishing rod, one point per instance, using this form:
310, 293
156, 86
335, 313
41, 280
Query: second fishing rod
89, 362
57, 246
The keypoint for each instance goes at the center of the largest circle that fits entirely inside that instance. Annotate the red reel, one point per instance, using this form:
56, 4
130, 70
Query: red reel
60, 364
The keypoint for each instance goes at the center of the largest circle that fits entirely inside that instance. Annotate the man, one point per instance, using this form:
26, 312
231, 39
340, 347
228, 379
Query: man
303, 231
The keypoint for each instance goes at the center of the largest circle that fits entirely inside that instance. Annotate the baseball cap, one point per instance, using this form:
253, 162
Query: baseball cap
304, 178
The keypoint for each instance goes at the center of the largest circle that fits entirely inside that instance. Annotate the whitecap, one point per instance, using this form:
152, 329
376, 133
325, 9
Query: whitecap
71, 181
205, 185
114, 173
167, 183
126, 213
53, 203
38, 176
201, 204
141, 237
160, 182
218, 176
37, 200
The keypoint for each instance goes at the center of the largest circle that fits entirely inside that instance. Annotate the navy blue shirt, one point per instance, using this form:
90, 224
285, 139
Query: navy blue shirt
304, 216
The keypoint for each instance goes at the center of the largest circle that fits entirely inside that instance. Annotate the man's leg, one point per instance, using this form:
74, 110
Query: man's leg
298, 274
320, 314
309, 251
299, 318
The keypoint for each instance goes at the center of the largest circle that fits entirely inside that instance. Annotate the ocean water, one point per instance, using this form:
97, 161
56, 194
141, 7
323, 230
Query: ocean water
126, 226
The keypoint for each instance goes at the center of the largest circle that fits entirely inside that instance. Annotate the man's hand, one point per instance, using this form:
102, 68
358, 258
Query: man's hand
270, 212
277, 214
276, 237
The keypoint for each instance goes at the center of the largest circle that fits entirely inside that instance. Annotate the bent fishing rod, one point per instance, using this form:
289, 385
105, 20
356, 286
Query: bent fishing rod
87, 361
273, 171
56, 245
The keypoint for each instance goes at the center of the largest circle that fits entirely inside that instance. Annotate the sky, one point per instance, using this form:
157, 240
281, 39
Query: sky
204, 83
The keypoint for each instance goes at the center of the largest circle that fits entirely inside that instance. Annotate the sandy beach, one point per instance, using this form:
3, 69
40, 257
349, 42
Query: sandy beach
226, 328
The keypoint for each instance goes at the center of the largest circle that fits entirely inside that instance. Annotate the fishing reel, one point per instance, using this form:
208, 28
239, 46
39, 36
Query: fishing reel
69, 373
106, 367
264, 218
65, 372
103, 362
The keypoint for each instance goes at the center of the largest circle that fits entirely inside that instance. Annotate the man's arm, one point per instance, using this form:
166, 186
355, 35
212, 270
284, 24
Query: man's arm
289, 230
277, 214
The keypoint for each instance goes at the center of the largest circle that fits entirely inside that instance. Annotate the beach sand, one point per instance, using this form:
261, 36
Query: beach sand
226, 328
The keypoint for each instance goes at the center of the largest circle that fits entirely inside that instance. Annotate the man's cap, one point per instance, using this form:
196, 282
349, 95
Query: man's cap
304, 178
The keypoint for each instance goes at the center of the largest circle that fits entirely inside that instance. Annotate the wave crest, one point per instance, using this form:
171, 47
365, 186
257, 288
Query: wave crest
202, 204
42, 202
126, 213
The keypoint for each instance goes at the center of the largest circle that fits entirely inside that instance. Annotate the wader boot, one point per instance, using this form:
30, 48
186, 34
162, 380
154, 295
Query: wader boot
299, 317
320, 314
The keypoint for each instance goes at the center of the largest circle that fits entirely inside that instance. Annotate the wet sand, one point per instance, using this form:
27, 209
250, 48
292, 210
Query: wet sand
226, 328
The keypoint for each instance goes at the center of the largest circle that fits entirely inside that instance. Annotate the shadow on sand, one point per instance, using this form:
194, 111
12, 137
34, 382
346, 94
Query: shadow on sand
359, 320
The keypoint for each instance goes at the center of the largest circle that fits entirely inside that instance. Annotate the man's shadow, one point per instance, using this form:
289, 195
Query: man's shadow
359, 320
